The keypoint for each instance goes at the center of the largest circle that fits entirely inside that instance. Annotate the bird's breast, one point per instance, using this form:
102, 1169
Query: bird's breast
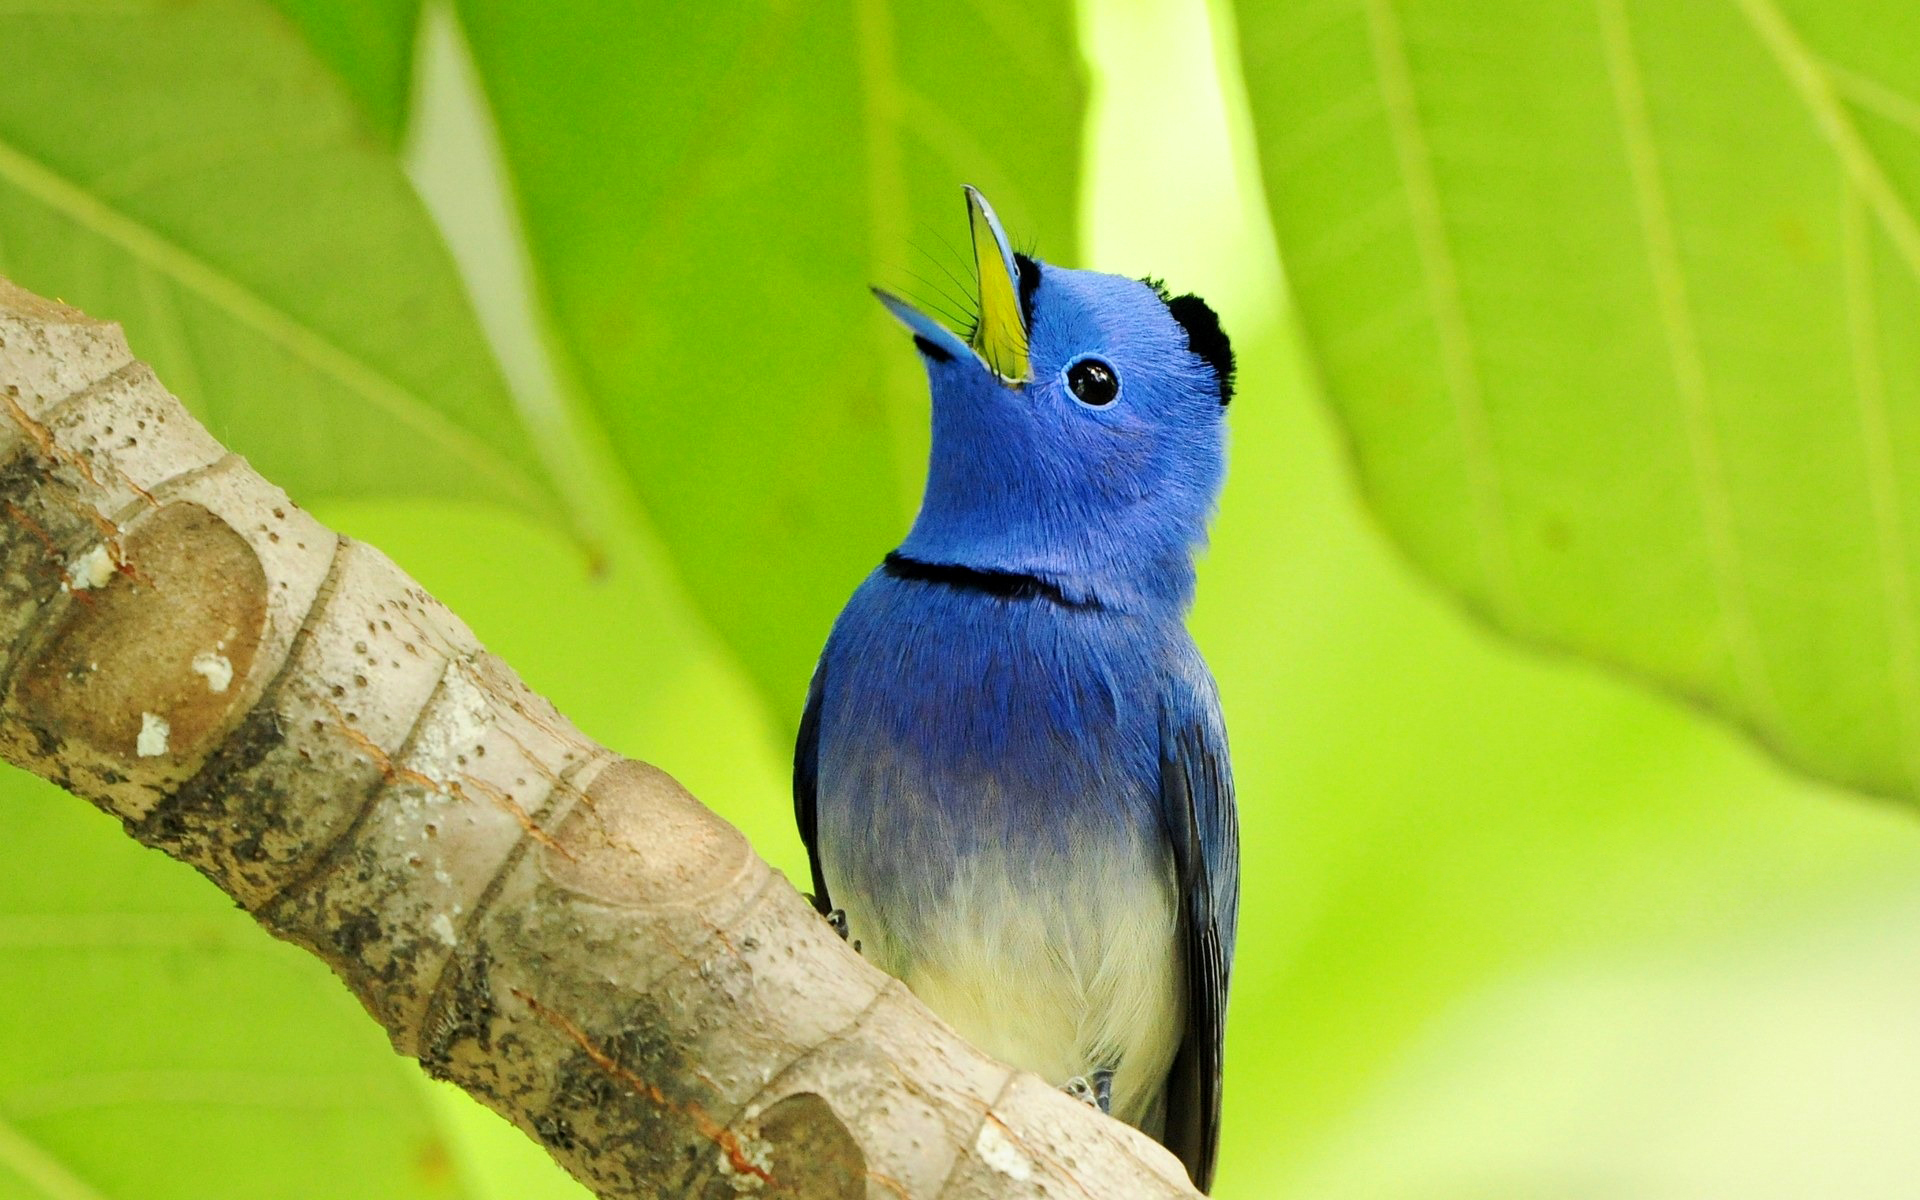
988, 818
1061, 974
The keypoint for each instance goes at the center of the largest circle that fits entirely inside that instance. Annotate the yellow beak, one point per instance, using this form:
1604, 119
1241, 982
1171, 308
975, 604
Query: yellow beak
1000, 337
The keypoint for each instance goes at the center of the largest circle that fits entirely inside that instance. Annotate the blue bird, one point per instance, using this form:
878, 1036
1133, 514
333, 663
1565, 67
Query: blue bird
1012, 775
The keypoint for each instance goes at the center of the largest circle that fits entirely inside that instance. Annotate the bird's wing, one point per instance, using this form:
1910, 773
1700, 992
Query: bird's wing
1196, 799
806, 786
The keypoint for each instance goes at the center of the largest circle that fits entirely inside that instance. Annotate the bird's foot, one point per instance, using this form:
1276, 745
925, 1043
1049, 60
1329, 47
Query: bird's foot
1103, 1089
838, 919
1094, 1089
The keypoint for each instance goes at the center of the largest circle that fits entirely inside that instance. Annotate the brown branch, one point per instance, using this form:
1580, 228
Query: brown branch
285, 710
728, 1142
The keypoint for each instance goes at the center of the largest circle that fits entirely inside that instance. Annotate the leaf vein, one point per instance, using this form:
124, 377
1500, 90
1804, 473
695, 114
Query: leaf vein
1664, 264
41, 184
1903, 640
882, 94
1451, 327
31, 1162
1816, 88
1874, 95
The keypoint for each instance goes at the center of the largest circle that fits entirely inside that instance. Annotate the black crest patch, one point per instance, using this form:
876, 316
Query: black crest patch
1029, 284
1206, 339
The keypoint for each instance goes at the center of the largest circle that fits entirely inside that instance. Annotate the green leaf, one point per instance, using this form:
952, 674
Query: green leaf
160, 1045
1617, 303
369, 45
193, 172
707, 194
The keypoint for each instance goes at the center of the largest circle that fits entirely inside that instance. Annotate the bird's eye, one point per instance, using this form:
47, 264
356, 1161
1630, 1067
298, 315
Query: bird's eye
1093, 383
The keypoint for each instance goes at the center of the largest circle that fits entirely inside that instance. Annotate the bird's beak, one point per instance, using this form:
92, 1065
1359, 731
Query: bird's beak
999, 338
1001, 333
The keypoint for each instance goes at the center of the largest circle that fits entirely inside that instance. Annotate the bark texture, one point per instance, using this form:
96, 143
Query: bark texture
565, 933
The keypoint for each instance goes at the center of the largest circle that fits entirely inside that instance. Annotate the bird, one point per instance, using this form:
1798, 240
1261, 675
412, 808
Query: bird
1011, 774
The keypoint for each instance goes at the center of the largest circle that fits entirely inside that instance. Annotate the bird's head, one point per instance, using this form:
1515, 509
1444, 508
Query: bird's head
1079, 428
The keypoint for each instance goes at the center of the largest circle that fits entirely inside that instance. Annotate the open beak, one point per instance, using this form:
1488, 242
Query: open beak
999, 338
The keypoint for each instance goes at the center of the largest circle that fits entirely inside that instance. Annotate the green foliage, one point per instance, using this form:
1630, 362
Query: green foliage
706, 238
1431, 816
369, 45
1498, 908
193, 172
1617, 304
159, 1045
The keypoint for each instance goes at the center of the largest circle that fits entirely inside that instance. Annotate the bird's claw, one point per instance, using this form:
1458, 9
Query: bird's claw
838, 919
1095, 1089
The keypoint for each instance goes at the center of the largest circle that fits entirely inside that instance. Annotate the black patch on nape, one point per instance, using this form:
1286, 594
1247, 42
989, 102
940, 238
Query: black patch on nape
932, 350
1029, 284
1008, 585
1206, 339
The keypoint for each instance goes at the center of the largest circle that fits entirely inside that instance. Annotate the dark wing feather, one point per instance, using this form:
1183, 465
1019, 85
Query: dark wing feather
1196, 797
806, 786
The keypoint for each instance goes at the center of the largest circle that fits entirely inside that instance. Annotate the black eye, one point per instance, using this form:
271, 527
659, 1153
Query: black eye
1093, 382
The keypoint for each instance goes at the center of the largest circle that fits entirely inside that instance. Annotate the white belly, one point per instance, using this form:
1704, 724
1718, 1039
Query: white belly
1057, 980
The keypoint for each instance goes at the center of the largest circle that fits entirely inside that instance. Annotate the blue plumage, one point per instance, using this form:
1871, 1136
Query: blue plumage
1012, 775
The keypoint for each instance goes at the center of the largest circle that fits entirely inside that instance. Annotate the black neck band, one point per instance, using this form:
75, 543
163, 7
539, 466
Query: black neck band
1009, 585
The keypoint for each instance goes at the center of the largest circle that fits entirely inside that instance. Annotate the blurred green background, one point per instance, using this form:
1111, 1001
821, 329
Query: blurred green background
611, 387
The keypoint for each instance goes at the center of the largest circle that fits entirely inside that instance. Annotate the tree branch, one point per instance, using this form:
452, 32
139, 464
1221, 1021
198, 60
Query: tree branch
564, 933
